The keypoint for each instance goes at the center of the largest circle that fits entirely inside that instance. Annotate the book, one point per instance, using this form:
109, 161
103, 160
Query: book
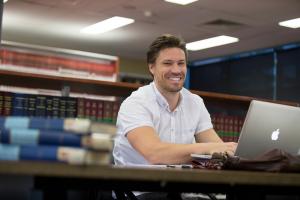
19, 104
1, 102
7, 106
55, 111
96, 141
31, 105
79, 126
71, 107
108, 111
70, 155
228, 127
32, 62
80, 108
40, 106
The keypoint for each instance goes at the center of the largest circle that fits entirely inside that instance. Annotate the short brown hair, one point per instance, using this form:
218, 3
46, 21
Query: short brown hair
163, 42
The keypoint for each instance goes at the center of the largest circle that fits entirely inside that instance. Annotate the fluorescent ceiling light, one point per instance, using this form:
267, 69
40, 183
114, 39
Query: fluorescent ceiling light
293, 23
181, 2
210, 42
4, 1
107, 25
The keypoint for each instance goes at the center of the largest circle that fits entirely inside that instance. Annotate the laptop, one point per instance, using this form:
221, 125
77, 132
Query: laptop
268, 126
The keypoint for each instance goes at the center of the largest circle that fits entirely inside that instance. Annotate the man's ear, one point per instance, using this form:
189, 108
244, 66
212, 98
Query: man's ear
151, 68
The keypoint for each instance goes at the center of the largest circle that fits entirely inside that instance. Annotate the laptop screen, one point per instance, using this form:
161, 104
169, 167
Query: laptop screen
268, 126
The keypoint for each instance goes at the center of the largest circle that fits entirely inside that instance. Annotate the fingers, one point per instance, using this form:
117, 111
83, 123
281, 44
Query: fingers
231, 147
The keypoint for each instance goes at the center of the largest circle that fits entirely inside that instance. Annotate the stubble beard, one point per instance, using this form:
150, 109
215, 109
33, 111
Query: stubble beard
171, 88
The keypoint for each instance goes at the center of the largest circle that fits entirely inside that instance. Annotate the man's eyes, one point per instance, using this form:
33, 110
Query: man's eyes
171, 63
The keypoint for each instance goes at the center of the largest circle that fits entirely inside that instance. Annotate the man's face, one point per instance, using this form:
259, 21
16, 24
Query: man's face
169, 69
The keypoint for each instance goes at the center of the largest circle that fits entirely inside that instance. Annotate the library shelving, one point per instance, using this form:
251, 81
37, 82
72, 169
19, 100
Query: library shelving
227, 111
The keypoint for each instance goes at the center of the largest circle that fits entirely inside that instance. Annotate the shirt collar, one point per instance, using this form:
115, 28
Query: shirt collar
162, 100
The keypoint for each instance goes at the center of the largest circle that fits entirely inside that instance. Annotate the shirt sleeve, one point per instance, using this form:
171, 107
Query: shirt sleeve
204, 118
133, 114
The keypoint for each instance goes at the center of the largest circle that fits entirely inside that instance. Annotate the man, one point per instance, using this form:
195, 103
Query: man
158, 123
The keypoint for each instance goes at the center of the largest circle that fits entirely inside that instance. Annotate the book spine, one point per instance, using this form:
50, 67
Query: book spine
100, 107
80, 126
107, 111
7, 109
87, 108
71, 107
53, 153
1, 103
80, 108
9, 152
55, 107
31, 105
62, 107
96, 141
115, 110
40, 109
94, 110
19, 104
49, 106
46, 153
16, 152
50, 63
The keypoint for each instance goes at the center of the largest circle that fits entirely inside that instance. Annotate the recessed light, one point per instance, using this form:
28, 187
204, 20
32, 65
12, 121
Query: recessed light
107, 25
181, 2
293, 23
210, 42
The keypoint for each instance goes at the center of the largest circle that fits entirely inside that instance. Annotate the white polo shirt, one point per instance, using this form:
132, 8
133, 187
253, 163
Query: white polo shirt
147, 107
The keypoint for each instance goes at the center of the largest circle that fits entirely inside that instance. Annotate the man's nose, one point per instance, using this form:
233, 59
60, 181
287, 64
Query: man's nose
176, 68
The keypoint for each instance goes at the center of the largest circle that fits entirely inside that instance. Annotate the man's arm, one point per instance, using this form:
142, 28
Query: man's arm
146, 141
209, 135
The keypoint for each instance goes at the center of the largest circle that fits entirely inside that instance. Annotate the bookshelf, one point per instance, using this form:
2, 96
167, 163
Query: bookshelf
35, 59
37, 81
227, 111
79, 85
120, 89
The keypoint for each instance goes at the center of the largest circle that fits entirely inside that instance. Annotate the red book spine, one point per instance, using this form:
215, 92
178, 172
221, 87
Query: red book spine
87, 108
115, 110
94, 110
107, 111
100, 108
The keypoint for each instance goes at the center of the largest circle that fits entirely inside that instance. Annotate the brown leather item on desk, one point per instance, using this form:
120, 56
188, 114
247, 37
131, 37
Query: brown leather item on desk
274, 160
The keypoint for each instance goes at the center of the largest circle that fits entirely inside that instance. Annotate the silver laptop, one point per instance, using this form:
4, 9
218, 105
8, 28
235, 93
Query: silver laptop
267, 126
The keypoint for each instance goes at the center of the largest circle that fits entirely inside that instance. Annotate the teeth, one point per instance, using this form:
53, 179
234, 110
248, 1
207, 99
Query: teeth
175, 78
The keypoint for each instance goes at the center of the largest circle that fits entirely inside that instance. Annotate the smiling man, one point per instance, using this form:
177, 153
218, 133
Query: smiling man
163, 123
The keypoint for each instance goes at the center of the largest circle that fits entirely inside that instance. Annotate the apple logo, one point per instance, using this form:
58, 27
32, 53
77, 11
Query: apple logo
275, 134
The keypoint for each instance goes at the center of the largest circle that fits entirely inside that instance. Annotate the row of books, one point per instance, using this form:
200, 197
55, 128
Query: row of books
228, 127
69, 140
28, 59
22, 104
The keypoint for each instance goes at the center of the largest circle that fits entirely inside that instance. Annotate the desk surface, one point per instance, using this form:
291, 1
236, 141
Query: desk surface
60, 170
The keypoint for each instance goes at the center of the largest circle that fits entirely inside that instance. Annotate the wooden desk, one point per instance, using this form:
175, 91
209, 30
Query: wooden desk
49, 175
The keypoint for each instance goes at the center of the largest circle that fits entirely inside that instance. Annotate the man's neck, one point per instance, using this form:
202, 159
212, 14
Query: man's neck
171, 97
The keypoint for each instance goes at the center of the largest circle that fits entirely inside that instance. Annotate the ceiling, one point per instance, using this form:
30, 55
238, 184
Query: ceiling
56, 23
